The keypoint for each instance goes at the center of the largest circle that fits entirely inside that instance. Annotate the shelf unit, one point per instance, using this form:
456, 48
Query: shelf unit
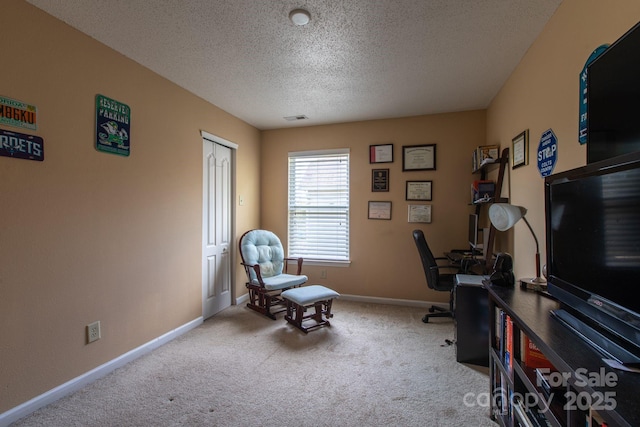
585, 392
483, 171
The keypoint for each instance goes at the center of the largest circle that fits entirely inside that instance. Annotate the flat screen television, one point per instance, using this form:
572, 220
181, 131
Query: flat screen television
613, 94
593, 252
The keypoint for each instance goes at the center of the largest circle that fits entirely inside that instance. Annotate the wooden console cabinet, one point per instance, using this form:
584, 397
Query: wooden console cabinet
581, 388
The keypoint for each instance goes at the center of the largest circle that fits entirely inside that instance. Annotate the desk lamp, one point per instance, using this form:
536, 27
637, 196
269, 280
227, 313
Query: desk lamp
503, 216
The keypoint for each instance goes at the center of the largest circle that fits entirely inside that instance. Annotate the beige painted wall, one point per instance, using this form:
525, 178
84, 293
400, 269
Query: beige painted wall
543, 93
384, 258
91, 236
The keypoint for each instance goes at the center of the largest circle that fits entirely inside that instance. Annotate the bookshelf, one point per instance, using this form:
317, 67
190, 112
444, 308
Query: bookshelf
483, 170
542, 374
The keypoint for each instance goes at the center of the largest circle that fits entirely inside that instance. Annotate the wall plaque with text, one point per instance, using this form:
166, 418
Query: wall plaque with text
113, 125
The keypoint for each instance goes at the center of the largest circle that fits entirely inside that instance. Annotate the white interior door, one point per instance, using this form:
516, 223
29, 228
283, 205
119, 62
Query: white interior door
217, 228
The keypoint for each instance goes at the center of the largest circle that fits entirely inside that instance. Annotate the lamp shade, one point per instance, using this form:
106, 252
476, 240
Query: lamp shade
503, 216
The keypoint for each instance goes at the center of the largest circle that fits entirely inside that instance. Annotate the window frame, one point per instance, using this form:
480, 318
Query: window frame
316, 259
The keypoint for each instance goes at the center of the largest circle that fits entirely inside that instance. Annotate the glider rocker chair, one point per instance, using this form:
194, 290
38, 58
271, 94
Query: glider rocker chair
266, 267
435, 279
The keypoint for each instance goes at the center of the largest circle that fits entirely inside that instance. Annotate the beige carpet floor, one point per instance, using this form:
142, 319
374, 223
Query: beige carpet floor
377, 365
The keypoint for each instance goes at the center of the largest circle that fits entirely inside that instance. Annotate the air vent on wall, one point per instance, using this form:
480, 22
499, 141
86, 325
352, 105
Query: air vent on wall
295, 118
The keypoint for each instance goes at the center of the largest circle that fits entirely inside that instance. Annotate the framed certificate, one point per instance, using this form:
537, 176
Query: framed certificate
381, 153
380, 180
419, 157
379, 210
418, 190
420, 213
520, 148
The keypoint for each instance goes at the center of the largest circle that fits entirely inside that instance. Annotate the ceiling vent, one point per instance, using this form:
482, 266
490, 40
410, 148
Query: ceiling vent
296, 118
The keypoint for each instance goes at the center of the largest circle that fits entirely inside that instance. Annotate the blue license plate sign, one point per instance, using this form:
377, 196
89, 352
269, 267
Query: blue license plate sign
21, 146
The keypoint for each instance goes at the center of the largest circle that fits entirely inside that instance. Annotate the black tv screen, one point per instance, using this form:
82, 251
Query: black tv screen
593, 240
613, 99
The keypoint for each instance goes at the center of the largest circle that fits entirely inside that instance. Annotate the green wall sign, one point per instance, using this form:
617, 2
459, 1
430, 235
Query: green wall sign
113, 124
583, 120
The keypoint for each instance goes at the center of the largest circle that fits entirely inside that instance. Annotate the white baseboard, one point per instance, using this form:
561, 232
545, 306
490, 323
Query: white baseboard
242, 299
20, 411
391, 301
375, 300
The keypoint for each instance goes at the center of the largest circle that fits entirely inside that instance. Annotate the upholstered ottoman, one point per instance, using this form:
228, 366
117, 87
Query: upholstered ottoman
300, 299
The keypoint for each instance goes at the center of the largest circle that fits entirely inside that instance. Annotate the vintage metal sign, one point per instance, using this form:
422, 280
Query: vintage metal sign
547, 153
113, 122
21, 146
17, 114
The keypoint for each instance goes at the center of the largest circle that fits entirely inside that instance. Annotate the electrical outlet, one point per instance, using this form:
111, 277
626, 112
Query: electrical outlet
93, 332
323, 274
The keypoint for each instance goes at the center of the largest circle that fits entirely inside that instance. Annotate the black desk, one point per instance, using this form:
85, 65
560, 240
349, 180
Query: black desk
466, 262
471, 320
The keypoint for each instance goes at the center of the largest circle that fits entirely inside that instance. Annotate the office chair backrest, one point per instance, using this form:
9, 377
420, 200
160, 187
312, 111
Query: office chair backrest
428, 262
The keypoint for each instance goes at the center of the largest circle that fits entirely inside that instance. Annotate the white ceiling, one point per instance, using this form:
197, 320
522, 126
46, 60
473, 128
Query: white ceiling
356, 59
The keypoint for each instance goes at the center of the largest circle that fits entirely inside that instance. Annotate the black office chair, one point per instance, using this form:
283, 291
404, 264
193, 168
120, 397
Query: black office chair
435, 279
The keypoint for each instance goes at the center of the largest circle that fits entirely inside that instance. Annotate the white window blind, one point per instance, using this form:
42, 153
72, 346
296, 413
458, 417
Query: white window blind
319, 205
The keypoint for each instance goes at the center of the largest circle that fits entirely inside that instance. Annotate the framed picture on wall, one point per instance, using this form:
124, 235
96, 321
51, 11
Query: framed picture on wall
379, 210
380, 180
381, 153
520, 149
418, 190
420, 213
419, 157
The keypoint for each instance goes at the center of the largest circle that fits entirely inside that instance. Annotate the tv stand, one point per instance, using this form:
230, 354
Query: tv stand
587, 391
600, 342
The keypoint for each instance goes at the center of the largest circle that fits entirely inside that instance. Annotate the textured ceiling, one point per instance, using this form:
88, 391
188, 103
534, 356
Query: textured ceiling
355, 60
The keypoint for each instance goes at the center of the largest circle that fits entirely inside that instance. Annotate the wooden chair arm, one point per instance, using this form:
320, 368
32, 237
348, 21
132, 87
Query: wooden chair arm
256, 269
298, 261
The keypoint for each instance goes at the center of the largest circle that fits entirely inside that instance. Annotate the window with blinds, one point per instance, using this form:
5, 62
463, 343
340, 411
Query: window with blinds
319, 205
